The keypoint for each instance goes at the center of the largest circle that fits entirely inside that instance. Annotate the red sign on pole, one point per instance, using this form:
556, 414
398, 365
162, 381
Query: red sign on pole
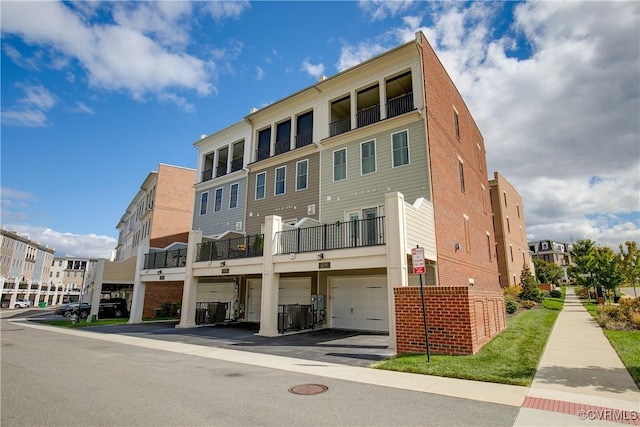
417, 259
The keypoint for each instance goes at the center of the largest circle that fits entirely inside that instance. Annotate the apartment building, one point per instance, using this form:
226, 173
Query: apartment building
24, 270
512, 249
552, 251
306, 212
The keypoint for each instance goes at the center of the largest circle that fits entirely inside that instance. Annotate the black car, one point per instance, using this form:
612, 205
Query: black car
109, 308
67, 309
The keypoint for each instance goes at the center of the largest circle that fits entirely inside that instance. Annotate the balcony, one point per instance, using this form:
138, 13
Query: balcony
221, 170
400, 105
207, 175
341, 235
165, 259
368, 116
340, 126
236, 164
239, 247
262, 153
282, 146
304, 138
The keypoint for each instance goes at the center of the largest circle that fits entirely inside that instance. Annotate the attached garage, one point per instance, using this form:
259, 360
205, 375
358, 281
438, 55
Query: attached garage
254, 299
291, 290
359, 303
215, 292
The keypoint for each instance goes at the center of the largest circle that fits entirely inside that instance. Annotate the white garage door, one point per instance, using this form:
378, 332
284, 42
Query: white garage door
254, 299
295, 291
214, 292
359, 303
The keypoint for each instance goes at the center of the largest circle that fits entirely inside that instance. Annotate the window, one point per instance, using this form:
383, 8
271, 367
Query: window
461, 173
340, 164
511, 252
261, 180
204, 198
264, 144
467, 233
504, 196
302, 168
518, 209
233, 196
281, 174
508, 226
456, 123
400, 147
368, 157
489, 245
217, 204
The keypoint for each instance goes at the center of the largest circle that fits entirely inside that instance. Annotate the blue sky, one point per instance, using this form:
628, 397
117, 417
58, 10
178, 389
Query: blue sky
95, 95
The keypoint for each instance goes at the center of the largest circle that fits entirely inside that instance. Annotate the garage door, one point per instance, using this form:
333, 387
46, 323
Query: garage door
295, 291
359, 303
254, 299
214, 292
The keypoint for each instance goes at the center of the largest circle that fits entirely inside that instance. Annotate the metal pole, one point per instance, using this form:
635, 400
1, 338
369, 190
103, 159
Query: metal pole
424, 319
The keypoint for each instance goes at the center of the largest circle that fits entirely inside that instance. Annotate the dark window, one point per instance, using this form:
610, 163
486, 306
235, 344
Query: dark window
264, 144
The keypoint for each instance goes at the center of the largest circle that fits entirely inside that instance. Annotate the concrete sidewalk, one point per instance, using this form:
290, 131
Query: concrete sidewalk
580, 379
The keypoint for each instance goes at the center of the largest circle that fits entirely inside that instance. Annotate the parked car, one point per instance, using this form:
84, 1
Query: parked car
109, 308
67, 309
22, 303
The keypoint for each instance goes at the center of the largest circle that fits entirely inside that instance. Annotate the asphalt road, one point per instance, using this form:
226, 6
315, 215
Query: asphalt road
51, 379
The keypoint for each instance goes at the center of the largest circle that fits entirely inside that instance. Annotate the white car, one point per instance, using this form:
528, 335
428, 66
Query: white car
22, 303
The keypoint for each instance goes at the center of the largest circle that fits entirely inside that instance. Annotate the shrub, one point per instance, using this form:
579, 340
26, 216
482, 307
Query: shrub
528, 303
626, 315
510, 305
556, 293
512, 291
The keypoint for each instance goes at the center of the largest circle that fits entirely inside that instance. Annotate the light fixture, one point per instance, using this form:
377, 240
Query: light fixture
159, 271
320, 256
223, 263
456, 246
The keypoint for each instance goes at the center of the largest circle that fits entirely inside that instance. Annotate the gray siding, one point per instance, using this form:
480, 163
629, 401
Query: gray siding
291, 205
214, 223
364, 191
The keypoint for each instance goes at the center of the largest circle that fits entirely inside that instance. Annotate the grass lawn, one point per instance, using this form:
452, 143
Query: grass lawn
555, 303
510, 358
67, 323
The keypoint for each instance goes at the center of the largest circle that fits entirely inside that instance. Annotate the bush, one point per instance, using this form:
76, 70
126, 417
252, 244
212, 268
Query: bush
510, 305
556, 293
528, 303
626, 315
512, 291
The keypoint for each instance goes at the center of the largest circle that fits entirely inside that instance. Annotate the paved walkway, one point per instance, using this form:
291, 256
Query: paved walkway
580, 376
580, 380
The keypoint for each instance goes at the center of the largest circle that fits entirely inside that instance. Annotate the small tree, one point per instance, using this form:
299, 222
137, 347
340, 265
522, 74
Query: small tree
629, 264
605, 269
547, 272
530, 290
582, 255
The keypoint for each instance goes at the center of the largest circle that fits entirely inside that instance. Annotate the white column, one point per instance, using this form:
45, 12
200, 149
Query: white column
354, 109
188, 310
96, 291
383, 99
270, 279
137, 302
396, 254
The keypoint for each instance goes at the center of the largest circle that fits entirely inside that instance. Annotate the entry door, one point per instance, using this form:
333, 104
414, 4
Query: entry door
365, 232
369, 226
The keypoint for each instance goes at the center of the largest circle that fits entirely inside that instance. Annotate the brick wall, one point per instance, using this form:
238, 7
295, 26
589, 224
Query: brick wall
157, 293
460, 319
163, 242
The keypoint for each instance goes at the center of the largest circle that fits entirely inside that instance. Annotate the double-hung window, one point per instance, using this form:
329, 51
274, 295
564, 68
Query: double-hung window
217, 205
281, 175
261, 180
461, 173
340, 164
368, 157
302, 175
233, 196
204, 199
400, 142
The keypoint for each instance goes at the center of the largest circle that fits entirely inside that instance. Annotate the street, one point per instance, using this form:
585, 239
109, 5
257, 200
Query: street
54, 379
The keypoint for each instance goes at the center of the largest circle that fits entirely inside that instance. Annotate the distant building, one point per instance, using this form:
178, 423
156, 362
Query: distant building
510, 230
73, 274
551, 251
24, 270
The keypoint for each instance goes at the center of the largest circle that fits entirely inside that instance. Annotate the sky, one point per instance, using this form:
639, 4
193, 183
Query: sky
96, 94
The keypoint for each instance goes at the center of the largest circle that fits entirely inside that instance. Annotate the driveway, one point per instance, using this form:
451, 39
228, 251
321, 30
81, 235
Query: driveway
355, 348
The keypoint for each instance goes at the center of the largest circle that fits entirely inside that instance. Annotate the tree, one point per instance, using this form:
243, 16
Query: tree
606, 271
582, 256
547, 272
530, 290
629, 263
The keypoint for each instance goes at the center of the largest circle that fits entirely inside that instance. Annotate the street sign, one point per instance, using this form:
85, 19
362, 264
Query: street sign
417, 259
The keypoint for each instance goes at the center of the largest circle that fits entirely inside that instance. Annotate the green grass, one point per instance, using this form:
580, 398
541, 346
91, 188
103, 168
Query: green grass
555, 303
510, 358
626, 344
67, 323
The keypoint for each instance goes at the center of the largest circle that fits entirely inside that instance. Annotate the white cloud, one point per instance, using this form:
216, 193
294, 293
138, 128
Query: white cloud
381, 9
81, 107
30, 110
259, 73
353, 55
314, 70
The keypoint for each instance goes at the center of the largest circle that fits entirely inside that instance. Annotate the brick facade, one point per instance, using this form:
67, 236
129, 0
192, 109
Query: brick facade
460, 319
163, 242
157, 293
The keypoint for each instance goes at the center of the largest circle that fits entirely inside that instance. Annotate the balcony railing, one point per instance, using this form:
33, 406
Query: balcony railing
221, 170
368, 115
340, 126
282, 146
240, 247
211, 313
262, 153
341, 235
236, 164
207, 175
400, 105
304, 138
165, 259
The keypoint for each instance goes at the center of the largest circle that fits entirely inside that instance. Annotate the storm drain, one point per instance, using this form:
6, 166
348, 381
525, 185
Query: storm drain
307, 389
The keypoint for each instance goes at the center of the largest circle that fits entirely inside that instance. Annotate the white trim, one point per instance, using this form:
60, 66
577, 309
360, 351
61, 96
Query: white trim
215, 195
333, 162
275, 181
206, 206
393, 166
256, 186
375, 157
306, 175
237, 194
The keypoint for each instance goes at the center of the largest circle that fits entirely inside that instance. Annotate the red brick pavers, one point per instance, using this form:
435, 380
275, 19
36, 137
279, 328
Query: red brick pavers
582, 411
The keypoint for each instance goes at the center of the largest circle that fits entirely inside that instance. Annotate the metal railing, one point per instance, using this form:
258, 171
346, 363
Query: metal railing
296, 317
368, 115
236, 164
341, 235
240, 247
400, 105
304, 138
340, 126
165, 259
282, 146
221, 170
207, 175
211, 313
263, 153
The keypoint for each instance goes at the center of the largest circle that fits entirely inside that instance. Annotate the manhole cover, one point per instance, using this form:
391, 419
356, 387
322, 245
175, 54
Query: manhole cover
307, 389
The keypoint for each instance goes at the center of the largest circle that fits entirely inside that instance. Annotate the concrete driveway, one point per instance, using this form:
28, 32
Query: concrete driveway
354, 348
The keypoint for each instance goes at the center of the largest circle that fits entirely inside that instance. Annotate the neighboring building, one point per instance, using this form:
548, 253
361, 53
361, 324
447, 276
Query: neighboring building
307, 212
24, 270
556, 252
162, 207
73, 274
512, 249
